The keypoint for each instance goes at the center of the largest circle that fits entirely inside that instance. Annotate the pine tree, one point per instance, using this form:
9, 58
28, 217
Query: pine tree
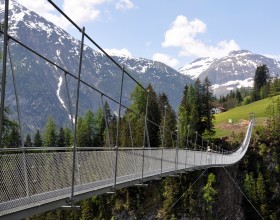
89, 129
260, 80
68, 137
38, 139
61, 138
99, 128
184, 115
170, 120
138, 99
28, 142
207, 105
261, 192
154, 116
112, 131
50, 135
108, 117
14, 138
197, 108
250, 187
209, 194
81, 133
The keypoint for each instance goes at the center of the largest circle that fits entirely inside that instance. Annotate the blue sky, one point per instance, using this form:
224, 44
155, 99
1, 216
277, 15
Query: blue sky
175, 32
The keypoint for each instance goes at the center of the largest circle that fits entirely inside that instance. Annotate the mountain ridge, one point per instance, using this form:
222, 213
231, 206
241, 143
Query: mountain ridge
227, 73
42, 87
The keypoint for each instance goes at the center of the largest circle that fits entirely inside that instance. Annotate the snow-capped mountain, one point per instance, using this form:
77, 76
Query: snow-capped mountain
195, 68
41, 87
235, 70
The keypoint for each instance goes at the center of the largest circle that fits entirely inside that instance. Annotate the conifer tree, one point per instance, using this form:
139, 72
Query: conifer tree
14, 138
207, 105
209, 194
99, 128
138, 99
260, 80
112, 131
184, 115
89, 129
61, 138
170, 120
28, 142
68, 137
50, 135
38, 139
154, 116
81, 133
197, 108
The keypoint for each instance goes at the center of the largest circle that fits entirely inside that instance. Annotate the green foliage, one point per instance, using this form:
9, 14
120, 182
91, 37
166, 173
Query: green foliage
138, 99
61, 138
249, 186
168, 120
11, 136
242, 112
260, 80
28, 142
68, 136
154, 116
91, 129
209, 194
38, 139
195, 110
50, 135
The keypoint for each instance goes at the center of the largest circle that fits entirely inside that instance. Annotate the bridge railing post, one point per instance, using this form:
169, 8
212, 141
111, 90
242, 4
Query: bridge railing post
144, 136
118, 132
195, 146
201, 151
107, 132
187, 146
132, 144
163, 139
212, 150
216, 154
76, 118
4, 69
177, 146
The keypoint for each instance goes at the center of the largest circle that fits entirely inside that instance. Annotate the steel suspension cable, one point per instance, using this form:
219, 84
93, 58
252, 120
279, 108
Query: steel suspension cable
243, 193
16, 95
185, 192
76, 119
4, 70
69, 101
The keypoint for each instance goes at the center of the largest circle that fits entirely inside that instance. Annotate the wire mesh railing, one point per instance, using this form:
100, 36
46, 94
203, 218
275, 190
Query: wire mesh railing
49, 171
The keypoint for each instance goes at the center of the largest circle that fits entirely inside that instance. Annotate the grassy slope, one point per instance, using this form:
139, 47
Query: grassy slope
242, 112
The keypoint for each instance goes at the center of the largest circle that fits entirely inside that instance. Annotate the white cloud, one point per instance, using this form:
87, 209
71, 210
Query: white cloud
165, 59
124, 4
183, 34
81, 11
46, 10
118, 52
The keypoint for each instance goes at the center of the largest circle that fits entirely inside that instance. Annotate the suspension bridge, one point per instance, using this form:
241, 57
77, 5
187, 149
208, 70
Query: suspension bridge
38, 179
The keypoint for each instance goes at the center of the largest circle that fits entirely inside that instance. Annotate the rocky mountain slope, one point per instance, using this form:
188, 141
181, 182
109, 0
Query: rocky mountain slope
42, 87
235, 70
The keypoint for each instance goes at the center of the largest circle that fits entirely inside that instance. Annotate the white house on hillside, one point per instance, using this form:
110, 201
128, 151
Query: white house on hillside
217, 110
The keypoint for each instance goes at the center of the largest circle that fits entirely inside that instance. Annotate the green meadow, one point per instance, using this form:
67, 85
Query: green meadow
259, 108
